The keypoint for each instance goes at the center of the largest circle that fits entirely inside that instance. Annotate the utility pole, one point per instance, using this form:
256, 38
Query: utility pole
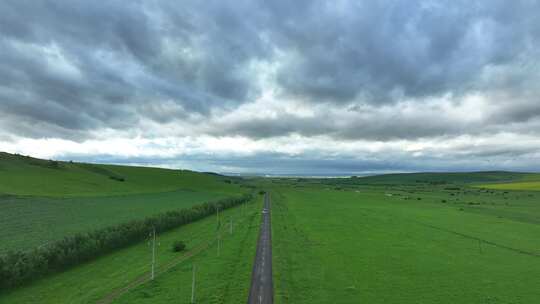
218, 243
193, 285
480, 246
153, 251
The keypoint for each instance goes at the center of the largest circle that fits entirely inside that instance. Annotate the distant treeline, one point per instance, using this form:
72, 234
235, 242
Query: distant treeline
18, 267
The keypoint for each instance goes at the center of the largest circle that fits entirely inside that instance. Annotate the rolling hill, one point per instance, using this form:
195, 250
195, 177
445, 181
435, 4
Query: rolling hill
24, 175
44, 200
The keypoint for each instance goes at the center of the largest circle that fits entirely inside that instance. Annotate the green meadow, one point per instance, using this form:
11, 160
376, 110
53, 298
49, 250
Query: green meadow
42, 201
223, 278
530, 186
32, 221
395, 238
408, 243
26, 176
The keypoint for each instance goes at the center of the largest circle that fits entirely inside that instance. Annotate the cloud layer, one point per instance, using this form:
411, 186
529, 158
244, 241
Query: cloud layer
301, 85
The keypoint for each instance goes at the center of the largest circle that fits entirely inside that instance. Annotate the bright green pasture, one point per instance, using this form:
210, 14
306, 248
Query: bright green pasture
222, 280
527, 181
32, 221
532, 186
398, 244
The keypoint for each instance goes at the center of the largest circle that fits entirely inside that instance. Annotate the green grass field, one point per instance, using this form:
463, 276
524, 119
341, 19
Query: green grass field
527, 182
42, 201
384, 245
31, 221
395, 238
223, 279
20, 175
219, 279
439, 177
530, 186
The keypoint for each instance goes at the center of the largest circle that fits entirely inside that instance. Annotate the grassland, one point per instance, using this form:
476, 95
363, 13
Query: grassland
31, 221
528, 186
43, 201
531, 186
220, 280
409, 243
526, 182
457, 178
20, 175
414, 238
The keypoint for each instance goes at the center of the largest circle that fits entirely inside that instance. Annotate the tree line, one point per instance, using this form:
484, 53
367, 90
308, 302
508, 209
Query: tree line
22, 266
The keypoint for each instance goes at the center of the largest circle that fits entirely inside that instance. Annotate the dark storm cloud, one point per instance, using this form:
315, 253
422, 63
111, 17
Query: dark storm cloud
72, 67
380, 51
82, 65
368, 124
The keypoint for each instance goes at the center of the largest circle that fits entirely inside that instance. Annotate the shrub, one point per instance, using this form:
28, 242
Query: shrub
53, 164
178, 246
452, 188
117, 178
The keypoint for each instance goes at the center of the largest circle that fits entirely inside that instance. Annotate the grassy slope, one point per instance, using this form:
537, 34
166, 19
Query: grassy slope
366, 247
43, 201
21, 175
223, 280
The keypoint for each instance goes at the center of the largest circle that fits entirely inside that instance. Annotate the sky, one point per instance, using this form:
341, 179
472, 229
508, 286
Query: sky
274, 87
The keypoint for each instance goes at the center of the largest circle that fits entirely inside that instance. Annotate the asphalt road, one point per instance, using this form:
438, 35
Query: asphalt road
262, 288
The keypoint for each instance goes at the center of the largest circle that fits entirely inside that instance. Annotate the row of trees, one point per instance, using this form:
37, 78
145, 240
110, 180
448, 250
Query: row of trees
18, 267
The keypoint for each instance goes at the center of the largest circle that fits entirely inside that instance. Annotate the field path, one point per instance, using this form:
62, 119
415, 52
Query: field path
113, 295
262, 289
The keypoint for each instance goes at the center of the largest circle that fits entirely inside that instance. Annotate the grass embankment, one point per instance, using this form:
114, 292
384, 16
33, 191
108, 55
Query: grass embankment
223, 280
413, 244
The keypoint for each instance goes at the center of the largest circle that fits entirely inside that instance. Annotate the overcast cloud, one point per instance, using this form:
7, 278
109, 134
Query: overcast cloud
336, 87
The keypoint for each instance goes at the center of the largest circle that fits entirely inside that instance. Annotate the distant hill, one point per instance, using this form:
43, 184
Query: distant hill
23, 175
444, 177
474, 178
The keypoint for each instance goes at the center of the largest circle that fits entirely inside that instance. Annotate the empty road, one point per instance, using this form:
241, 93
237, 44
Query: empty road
262, 288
